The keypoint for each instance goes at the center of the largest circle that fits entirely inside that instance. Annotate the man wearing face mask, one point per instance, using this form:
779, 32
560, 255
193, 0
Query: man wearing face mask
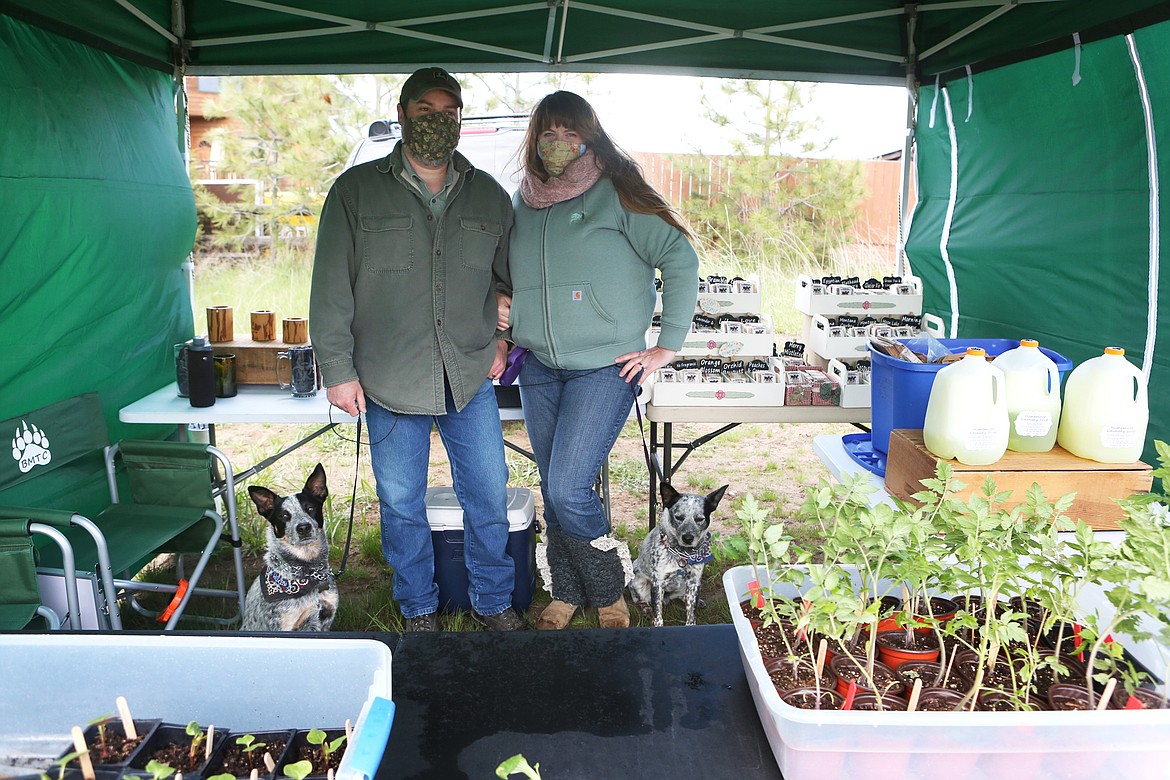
590, 234
410, 251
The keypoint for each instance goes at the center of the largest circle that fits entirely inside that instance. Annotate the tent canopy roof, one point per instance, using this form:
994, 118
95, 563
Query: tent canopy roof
859, 41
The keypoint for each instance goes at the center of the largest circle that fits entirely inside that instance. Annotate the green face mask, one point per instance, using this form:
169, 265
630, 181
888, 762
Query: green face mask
556, 155
432, 138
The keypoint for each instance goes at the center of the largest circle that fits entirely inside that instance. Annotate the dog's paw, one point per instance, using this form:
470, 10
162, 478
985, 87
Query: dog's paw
31, 448
643, 607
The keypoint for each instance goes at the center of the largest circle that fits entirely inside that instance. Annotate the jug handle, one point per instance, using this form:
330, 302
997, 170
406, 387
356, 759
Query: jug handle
279, 357
1053, 380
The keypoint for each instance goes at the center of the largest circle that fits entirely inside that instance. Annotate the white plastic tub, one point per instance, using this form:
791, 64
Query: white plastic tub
813, 745
50, 683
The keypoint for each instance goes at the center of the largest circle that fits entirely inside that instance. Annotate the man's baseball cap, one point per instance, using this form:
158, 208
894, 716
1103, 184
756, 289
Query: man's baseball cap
424, 80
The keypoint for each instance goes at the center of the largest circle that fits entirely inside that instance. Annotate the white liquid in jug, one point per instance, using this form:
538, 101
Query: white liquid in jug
1105, 410
966, 416
1033, 397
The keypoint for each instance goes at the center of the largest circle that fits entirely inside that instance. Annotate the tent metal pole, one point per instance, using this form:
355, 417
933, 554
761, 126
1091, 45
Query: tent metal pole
908, 143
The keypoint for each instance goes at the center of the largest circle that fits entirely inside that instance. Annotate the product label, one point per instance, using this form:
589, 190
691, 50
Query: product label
1118, 436
982, 438
1033, 424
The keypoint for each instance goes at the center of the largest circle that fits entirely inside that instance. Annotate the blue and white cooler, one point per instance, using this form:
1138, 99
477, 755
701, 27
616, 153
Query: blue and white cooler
446, 520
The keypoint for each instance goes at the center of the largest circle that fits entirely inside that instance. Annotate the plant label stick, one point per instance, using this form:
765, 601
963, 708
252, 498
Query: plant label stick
256, 772
269, 764
915, 692
849, 694
127, 721
822, 651
348, 732
83, 759
1108, 694
329, 774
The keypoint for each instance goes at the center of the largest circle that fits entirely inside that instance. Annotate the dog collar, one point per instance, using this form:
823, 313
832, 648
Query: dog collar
290, 582
701, 554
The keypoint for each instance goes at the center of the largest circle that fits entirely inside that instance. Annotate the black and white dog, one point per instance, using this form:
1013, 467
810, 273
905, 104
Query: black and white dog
671, 558
296, 591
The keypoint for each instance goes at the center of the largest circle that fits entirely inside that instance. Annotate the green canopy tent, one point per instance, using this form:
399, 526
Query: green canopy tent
1038, 208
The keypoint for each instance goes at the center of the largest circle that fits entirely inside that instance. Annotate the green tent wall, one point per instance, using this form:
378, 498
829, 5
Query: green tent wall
1042, 200
98, 218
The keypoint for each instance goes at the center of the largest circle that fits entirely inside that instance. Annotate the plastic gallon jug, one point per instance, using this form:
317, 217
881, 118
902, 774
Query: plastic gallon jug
1105, 410
967, 416
1032, 384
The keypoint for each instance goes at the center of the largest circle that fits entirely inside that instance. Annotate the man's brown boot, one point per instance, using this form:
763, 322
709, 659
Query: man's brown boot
556, 616
616, 615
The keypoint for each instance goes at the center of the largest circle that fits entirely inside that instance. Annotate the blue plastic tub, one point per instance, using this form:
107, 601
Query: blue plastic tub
900, 389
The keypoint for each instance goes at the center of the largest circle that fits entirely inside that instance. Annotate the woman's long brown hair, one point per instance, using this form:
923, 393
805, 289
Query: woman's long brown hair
571, 111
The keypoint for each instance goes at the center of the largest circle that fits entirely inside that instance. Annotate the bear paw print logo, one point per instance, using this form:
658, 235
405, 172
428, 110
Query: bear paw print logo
30, 447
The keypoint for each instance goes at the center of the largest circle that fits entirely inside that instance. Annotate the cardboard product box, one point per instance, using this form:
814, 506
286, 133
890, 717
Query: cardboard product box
823, 390
1057, 472
814, 298
446, 520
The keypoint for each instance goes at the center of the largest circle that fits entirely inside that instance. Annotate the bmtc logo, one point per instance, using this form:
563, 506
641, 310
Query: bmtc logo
30, 447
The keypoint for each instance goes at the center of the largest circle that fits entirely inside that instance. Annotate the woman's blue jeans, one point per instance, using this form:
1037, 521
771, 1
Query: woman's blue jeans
573, 419
400, 452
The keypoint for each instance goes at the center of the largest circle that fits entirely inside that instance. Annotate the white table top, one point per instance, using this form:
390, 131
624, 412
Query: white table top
756, 414
252, 404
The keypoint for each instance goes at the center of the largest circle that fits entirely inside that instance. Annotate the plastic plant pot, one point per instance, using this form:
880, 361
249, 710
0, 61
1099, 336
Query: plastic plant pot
845, 670
893, 651
929, 672
868, 700
169, 744
117, 753
812, 699
789, 674
233, 759
300, 749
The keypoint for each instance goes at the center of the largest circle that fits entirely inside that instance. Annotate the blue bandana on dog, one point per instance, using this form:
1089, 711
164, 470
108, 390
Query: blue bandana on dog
702, 553
293, 581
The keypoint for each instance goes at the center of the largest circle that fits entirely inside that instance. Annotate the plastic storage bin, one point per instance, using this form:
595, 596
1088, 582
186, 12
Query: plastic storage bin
899, 390
232, 682
446, 520
814, 745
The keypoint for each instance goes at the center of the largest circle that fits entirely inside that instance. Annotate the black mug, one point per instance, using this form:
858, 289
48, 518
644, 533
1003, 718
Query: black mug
303, 371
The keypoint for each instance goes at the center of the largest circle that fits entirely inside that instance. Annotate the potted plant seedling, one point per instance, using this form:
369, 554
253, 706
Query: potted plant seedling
298, 770
62, 765
158, 770
327, 747
517, 764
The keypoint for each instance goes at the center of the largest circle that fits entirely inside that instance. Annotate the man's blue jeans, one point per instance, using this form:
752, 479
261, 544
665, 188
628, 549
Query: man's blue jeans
573, 419
400, 447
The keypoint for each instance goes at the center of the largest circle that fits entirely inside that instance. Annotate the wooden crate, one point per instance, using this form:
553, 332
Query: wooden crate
1057, 472
256, 360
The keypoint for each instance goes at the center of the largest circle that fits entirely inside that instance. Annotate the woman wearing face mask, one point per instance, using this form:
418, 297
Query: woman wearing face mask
588, 235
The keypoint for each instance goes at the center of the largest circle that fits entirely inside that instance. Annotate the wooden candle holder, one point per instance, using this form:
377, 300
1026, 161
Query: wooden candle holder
219, 324
296, 330
263, 326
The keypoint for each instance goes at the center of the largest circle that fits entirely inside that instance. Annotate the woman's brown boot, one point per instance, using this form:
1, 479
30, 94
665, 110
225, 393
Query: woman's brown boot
556, 616
616, 615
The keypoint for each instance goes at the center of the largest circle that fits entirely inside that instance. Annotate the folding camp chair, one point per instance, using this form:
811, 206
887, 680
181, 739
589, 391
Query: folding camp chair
20, 597
170, 508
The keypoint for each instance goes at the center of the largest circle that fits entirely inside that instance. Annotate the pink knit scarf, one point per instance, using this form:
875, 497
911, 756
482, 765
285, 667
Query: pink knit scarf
579, 176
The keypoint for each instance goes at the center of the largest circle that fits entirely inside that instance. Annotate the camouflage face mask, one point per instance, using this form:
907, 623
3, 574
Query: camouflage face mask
432, 138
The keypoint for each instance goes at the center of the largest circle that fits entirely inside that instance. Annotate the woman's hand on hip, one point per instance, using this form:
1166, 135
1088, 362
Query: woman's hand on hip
647, 361
348, 397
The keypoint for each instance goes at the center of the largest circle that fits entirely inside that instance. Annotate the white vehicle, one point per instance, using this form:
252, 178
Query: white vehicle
492, 143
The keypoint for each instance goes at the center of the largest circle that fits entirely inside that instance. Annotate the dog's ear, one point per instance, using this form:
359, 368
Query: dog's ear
315, 485
264, 499
668, 493
711, 501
